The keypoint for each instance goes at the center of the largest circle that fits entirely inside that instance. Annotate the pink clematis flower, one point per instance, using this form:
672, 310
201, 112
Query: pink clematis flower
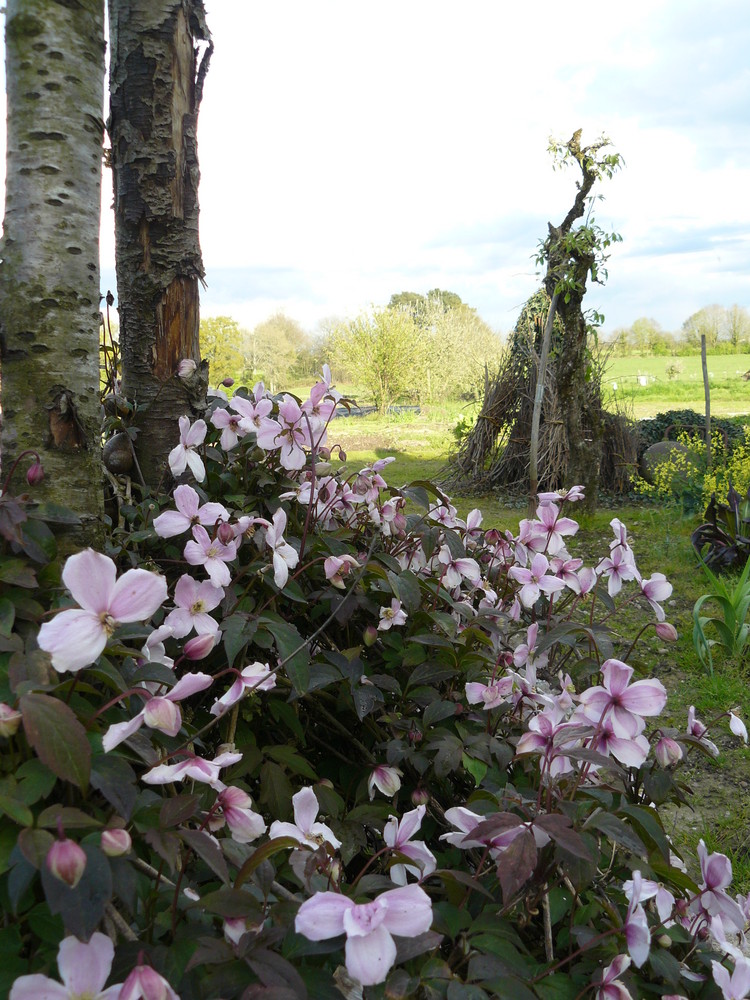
489, 696
397, 835
622, 702
550, 530
231, 427
337, 568
193, 768
456, 570
545, 735
610, 987
386, 779
664, 899
184, 453
75, 638
84, 969
736, 986
370, 948
145, 983
697, 730
713, 901
617, 567
193, 602
657, 588
254, 413
159, 711
637, 934
535, 581
255, 677
525, 652
395, 615
289, 433
234, 807
557, 496
212, 554
285, 556
305, 830
189, 512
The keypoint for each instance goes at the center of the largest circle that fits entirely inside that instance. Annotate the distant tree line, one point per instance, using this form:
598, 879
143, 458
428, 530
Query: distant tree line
727, 331
419, 348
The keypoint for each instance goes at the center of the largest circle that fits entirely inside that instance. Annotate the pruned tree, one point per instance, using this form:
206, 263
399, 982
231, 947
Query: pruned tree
573, 254
160, 56
571, 420
49, 275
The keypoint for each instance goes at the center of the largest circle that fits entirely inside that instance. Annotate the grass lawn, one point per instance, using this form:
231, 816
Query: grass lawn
660, 538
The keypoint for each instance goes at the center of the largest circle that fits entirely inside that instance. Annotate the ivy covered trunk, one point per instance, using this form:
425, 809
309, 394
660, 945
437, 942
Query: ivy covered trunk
156, 82
573, 256
579, 394
49, 275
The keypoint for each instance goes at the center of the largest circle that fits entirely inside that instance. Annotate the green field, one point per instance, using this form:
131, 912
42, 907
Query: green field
683, 388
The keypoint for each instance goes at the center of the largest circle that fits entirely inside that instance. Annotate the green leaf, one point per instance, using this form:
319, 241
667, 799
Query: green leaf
298, 765
58, 737
614, 829
288, 643
7, 616
115, 779
16, 810
207, 850
263, 853
81, 908
438, 710
18, 573
476, 768
72, 818
35, 845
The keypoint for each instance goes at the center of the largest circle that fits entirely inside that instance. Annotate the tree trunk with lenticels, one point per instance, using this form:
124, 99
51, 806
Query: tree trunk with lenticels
156, 83
49, 259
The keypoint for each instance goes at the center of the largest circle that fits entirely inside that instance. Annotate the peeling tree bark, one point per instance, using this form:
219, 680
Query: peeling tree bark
49, 267
156, 82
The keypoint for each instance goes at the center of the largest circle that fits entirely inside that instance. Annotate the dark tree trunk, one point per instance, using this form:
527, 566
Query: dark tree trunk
156, 82
49, 270
578, 393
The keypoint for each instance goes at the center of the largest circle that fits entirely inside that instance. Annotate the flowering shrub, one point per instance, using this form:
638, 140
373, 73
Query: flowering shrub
299, 733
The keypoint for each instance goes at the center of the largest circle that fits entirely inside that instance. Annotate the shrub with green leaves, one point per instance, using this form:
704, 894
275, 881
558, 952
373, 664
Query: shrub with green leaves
299, 733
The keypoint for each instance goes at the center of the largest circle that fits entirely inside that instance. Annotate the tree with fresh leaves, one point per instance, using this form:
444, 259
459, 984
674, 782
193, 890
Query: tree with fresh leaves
707, 322
160, 56
385, 352
49, 275
222, 346
274, 348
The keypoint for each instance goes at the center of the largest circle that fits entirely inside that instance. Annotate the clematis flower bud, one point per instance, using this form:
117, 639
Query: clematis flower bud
66, 861
116, 842
186, 368
227, 382
370, 635
35, 474
666, 632
199, 646
420, 797
225, 533
668, 752
10, 720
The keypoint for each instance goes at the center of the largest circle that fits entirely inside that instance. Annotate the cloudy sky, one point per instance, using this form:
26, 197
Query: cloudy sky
350, 150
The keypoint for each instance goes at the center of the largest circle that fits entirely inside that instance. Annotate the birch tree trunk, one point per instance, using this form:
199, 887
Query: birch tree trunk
49, 260
156, 83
